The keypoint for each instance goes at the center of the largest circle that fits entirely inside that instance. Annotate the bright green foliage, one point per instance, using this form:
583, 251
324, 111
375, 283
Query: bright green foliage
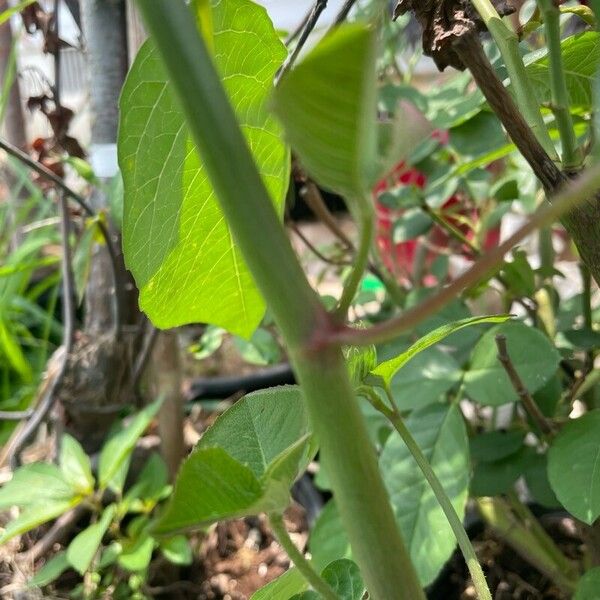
360, 360
532, 354
177, 550
389, 368
581, 58
327, 106
284, 587
83, 548
117, 449
35, 515
440, 432
75, 465
48, 480
588, 587
344, 578
176, 241
574, 467
246, 461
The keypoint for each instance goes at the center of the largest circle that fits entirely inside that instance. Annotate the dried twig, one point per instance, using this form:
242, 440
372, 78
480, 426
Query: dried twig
310, 24
526, 398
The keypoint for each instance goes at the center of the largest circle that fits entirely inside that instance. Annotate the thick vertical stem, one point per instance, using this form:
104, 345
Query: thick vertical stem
338, 424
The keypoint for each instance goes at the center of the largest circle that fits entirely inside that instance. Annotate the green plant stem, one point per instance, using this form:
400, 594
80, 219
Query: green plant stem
337, 422
361, 261
508, 44
300, 562
464, 543
571, 156
497, 514
576, 192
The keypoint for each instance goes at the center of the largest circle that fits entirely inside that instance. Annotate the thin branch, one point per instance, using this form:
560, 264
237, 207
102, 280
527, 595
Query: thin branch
311, 22
144, 354
361, 261
300, 27
316, 251
526, 398
312, 197
342, 14
304, 566
577, 191
59, 531
395, 418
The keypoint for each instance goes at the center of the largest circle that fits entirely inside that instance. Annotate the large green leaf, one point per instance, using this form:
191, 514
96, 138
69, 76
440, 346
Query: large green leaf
245, 463
440, 432
83, 548
532, 354
574, 466
327, 105
581, 58
328, 540
176, 242
386, 370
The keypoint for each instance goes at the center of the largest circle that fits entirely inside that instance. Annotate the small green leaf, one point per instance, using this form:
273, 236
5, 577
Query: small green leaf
292, 582
150, 486
532, 354
47, 480
211, 485
574, 467
344, 578
53, 569
176, 241
441, 434
177, 550
588, 587
360, 361
118, 447
536, 477
75, 465
262, 348
136, 555
386, 370
259, 427
327, 106
36, 514
83, 548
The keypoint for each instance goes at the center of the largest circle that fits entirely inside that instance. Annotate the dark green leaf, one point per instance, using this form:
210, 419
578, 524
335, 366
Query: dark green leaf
495, 445
532, 354
53, 569
574, 467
